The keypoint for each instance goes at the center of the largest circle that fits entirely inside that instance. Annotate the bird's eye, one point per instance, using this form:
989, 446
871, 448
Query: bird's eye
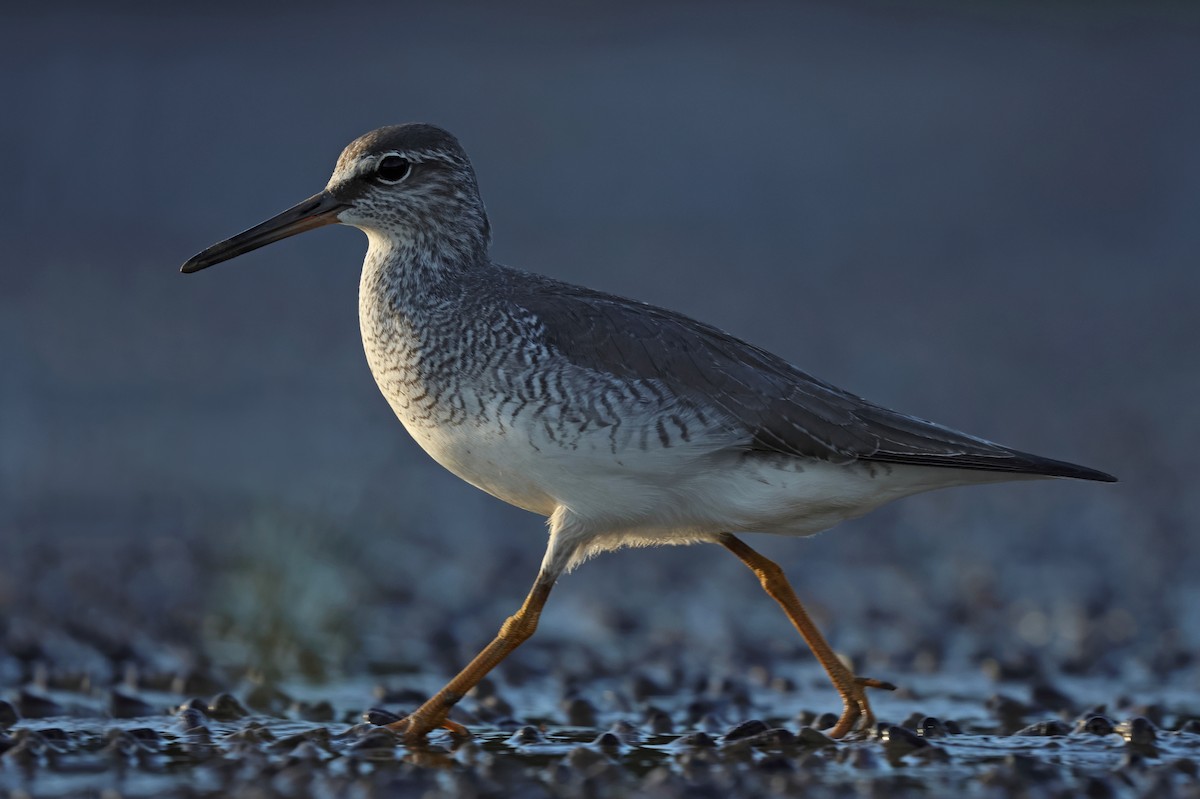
393, 169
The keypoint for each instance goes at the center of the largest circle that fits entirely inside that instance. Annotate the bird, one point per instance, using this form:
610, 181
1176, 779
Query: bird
623, 423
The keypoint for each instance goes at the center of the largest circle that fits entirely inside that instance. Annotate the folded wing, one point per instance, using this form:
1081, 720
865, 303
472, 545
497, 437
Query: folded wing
772, 406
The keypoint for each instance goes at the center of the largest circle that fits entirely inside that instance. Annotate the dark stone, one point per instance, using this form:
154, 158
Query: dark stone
696, 739
148, 737
123, 706
8, 714
580, 712
746, 729
1139, 732
380, 717
826, 721
225, 707
1009, 711
377, 739
777, 764
190, 718
607, 740
772, 739
660, 723
268, 699
929, 727
642, 688
35, 706
811, 737
320, 711
1050, 727
1096, 725
899, 741
525, 736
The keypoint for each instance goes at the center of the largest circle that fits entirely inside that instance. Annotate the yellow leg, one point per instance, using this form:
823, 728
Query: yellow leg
515, 631
856, 713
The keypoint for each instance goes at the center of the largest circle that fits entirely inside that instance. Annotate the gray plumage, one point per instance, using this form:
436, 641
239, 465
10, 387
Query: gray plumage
624, 422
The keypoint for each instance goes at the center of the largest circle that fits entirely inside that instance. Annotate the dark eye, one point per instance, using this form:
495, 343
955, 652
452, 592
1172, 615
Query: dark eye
393, 169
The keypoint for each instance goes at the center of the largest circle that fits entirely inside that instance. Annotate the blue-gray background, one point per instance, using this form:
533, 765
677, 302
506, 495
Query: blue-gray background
989, 217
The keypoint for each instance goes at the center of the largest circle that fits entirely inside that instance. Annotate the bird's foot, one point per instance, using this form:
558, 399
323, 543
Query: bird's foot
413, 729
857, 715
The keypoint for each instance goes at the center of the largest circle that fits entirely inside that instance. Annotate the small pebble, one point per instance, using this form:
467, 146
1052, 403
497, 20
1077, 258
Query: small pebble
1009, 711
814, 738
929, 727
588, 762
525, 736
642, 688
120, 744
225, 707
380, 717
696, 739
268, 699
318, 737
1096, 725
1050, 727
307, 752
628, 733
746, 729
147, 737
377, 739
580, 712
899, 741
825, 721
31, 705
320, 711
772, 739
861, 758
123, 706
775, 763
607, 740
1138, 731
660, 723
190, 718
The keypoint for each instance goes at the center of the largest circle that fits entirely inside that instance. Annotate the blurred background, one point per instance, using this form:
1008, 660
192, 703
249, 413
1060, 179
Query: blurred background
984, 214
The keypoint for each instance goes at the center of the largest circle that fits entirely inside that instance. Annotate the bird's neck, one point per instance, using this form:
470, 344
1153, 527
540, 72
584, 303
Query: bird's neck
407, 270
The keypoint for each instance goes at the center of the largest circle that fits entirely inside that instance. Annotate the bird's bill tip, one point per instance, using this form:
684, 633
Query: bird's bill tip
319, 210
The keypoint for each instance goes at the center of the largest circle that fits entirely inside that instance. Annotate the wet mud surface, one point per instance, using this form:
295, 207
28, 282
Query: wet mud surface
660, 729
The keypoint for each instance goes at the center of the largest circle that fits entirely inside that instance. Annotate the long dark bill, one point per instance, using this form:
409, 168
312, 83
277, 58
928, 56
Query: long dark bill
318, 210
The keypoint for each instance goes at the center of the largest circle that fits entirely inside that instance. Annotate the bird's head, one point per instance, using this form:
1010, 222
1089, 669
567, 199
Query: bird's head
412, 184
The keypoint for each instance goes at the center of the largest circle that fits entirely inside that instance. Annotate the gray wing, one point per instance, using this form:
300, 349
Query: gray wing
777, 407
